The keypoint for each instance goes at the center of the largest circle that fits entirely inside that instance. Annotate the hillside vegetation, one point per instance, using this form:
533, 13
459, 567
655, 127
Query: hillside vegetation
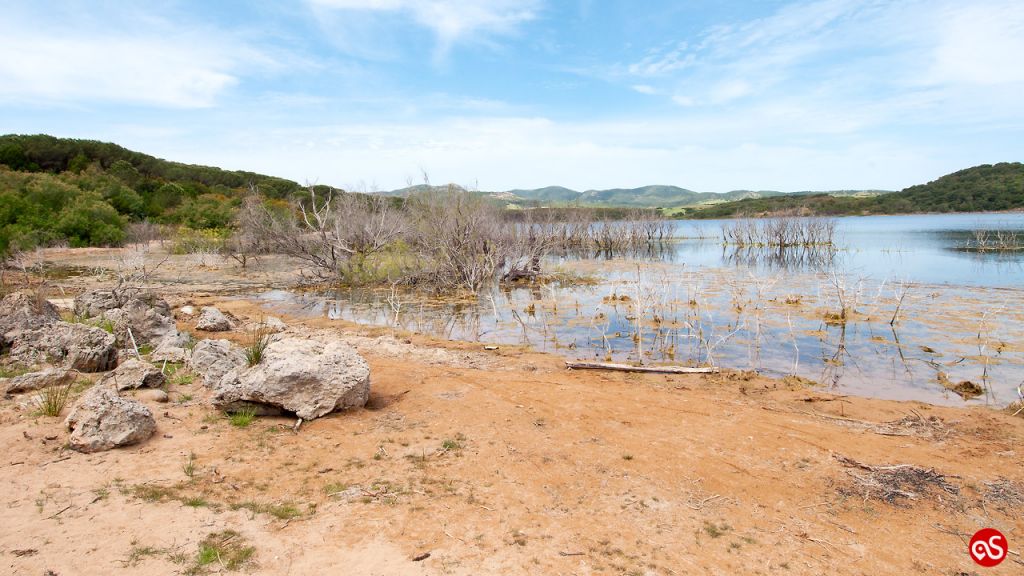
89, 193
989, 187
86, 192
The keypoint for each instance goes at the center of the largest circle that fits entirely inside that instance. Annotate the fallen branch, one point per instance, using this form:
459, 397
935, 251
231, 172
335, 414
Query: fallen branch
630, 368
62, 510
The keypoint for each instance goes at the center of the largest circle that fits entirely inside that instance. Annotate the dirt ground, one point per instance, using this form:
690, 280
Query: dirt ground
468, 461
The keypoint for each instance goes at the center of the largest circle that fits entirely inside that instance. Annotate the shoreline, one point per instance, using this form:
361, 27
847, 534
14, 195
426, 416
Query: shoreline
505, 462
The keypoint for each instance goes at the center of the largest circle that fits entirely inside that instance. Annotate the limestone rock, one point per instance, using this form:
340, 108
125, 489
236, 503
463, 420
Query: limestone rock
96, 302
102, 420
134, 373
306, 377
77, 346
21, 312
36, 381
212, 359
273, 324
152, 395
213, 320
147, 315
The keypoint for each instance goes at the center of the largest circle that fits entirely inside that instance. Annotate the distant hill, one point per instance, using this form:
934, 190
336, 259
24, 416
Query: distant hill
989, 187
654, 196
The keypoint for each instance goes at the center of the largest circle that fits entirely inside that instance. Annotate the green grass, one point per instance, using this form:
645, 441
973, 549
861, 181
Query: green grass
52, 400
139, 553
243, 417
151, 493
454, 444
227, 549
195, 502
183, 379
12, 371
281, 511
256, 346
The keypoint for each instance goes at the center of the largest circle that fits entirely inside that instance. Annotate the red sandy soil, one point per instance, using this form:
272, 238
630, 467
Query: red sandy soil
504, 462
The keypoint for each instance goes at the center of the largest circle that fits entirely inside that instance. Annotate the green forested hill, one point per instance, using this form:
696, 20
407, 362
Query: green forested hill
989, 187
85, 192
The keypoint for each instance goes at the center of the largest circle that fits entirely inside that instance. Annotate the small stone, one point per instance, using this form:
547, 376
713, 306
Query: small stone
213, 320
152, 395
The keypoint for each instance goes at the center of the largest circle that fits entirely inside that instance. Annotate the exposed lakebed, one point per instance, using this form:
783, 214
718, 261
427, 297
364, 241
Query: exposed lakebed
695, 301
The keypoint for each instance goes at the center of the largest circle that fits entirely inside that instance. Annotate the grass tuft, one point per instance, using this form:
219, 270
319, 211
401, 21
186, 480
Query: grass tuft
189, 468
227, 548
259, 339
243, 417
52, 399
281, 511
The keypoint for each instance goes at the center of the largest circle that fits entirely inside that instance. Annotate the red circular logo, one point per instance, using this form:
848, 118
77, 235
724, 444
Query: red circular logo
988, 547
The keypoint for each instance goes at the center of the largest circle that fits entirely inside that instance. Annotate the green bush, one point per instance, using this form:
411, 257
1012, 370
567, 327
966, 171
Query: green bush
91, 222
207, 211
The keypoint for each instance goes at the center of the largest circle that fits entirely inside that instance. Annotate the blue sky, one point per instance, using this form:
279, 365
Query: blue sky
500, 94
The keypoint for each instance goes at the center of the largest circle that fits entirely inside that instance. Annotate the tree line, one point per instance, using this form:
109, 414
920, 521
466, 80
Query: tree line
985, 188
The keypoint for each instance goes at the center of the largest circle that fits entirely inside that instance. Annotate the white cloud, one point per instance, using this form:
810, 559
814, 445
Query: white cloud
644, 89
451, 21
154, 63
922, 62
980, 44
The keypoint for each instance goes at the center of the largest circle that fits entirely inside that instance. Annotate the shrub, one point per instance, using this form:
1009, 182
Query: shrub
91, 222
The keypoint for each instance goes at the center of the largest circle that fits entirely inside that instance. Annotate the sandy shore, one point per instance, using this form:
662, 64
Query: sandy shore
503, 462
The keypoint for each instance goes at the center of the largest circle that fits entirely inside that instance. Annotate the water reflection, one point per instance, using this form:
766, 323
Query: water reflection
920, 316
789, 258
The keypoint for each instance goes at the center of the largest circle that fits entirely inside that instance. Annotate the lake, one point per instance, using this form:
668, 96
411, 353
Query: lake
925, 311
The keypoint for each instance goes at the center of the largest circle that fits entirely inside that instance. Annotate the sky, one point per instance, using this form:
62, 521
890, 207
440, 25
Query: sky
502, 94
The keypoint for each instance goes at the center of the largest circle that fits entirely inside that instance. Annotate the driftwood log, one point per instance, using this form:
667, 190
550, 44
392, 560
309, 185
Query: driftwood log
630, 368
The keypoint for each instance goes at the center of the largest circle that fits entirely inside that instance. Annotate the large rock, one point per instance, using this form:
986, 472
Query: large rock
134, 373
83, 348
96, 302
147, 315
23, 311
212, 359
213, 320
102, 420
36, 381
306, 377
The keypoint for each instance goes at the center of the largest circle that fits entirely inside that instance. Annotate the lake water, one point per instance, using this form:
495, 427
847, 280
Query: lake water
695, 301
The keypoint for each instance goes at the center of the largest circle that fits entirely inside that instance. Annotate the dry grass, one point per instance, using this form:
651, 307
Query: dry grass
896, 484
